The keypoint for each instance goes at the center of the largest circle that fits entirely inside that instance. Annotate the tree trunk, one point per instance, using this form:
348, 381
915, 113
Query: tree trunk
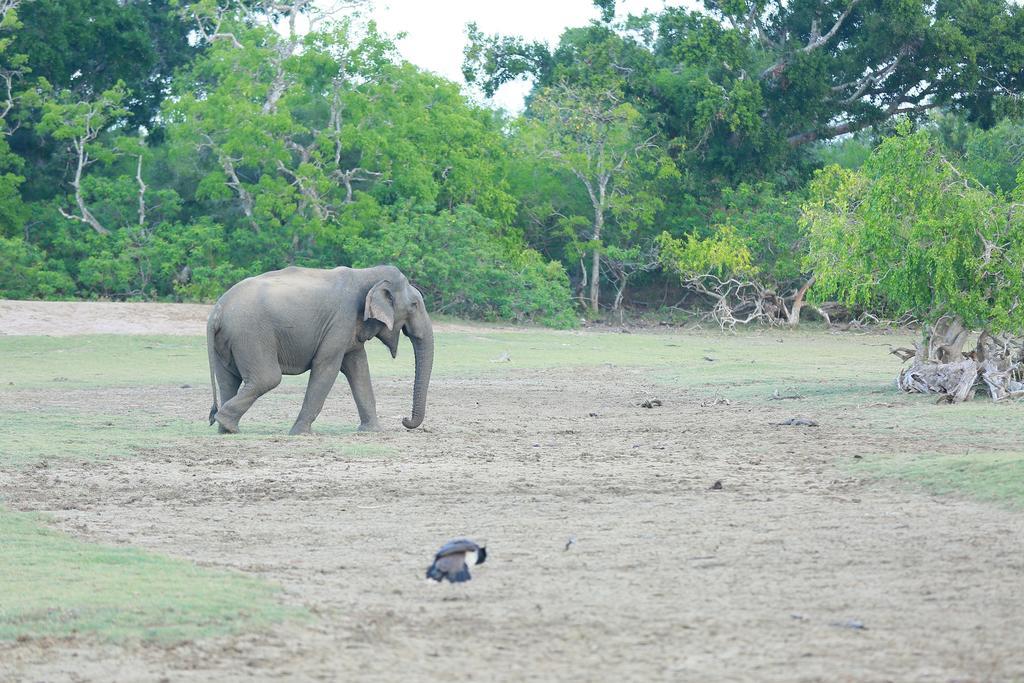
798, 303
946, 341
595, 266
940, 366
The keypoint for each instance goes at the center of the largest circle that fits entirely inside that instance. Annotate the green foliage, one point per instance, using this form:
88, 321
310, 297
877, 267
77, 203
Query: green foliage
995, 156
755, 238
88, 46
283, 146
464, 266
911, 233
743, 83
598, 138
723, 253
280, 148
849, 152
26, 274
766, 218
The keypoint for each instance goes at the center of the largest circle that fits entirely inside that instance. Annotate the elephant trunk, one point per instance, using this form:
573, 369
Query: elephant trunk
423, 347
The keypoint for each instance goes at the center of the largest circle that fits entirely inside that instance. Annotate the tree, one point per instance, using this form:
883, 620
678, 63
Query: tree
911, 233
746, 82
88, 46
80, 123
599, 138
13, 68
748, 261
271, 123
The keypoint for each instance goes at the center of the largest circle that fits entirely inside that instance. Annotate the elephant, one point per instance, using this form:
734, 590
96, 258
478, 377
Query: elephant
288, 321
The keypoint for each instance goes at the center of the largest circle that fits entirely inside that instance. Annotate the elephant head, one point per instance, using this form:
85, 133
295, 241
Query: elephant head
399, 306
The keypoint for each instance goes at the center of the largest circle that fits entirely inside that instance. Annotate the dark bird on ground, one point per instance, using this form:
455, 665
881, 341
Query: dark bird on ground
453, 559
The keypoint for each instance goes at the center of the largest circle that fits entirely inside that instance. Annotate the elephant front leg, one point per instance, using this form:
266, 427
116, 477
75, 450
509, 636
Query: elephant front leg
321, 379
357, 371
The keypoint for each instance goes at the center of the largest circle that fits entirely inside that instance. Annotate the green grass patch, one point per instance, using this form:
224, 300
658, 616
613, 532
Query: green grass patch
991, 476
53, 585
102, 360
28, 437
766, 355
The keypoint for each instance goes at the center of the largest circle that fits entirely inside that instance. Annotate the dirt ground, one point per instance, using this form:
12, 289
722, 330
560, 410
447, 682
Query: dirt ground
794, 570
65, 318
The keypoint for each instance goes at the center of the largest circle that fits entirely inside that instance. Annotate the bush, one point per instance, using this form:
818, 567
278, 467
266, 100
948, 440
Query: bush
464, 266
26, 275
911, 233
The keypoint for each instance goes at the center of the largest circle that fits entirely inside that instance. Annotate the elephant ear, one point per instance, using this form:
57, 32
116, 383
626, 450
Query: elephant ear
380, 304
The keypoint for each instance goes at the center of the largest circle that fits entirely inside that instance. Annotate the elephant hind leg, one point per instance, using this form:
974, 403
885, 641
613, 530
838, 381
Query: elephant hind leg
227, 385
253, 387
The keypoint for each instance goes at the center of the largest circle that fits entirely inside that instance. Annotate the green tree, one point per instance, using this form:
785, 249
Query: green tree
79, 124
910, 233
748, 261
13, 68
89, 46
463, 265
745, 82
600, 139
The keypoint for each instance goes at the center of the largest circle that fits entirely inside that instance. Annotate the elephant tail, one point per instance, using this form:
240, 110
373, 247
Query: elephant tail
212, 327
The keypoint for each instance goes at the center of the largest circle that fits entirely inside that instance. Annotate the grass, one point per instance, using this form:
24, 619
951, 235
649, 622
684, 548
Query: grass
30, 436
992, 476
53, 585
111, 360
102, 360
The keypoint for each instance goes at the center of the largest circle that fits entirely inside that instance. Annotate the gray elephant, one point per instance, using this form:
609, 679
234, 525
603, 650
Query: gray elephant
286, 322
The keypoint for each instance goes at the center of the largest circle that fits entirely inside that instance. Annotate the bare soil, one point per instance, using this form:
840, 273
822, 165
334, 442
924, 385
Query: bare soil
65, 318
793, 570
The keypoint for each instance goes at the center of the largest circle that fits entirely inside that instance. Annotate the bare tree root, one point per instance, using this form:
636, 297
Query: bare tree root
940, 365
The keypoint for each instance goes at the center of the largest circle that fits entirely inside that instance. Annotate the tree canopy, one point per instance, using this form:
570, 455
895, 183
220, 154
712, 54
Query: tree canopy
731, 160
909, 232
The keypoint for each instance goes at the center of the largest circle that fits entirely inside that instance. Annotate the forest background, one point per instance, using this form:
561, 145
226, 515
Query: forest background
737, 161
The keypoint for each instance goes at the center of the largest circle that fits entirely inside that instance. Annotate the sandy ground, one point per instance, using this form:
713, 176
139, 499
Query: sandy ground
765, 579
65, 318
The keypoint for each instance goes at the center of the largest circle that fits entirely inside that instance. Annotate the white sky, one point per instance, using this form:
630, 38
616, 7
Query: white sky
436, 29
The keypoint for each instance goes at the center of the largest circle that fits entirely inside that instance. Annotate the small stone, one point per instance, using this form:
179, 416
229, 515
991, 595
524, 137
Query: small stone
798, 422
855, 624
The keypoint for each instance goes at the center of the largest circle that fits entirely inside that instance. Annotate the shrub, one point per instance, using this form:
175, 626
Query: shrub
464, 266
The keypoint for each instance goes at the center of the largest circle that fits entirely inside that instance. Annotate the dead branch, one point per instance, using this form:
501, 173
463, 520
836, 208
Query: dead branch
227, 164
91, 130
736, 301
142, 193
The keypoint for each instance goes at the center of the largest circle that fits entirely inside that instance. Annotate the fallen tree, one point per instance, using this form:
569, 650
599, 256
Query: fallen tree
941, 366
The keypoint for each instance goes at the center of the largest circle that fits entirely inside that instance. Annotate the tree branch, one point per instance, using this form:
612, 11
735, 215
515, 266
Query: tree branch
853, 126
816, 41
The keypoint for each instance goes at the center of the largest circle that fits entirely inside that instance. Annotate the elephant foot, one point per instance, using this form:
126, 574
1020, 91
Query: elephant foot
300, 430
226, 426
369, 427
